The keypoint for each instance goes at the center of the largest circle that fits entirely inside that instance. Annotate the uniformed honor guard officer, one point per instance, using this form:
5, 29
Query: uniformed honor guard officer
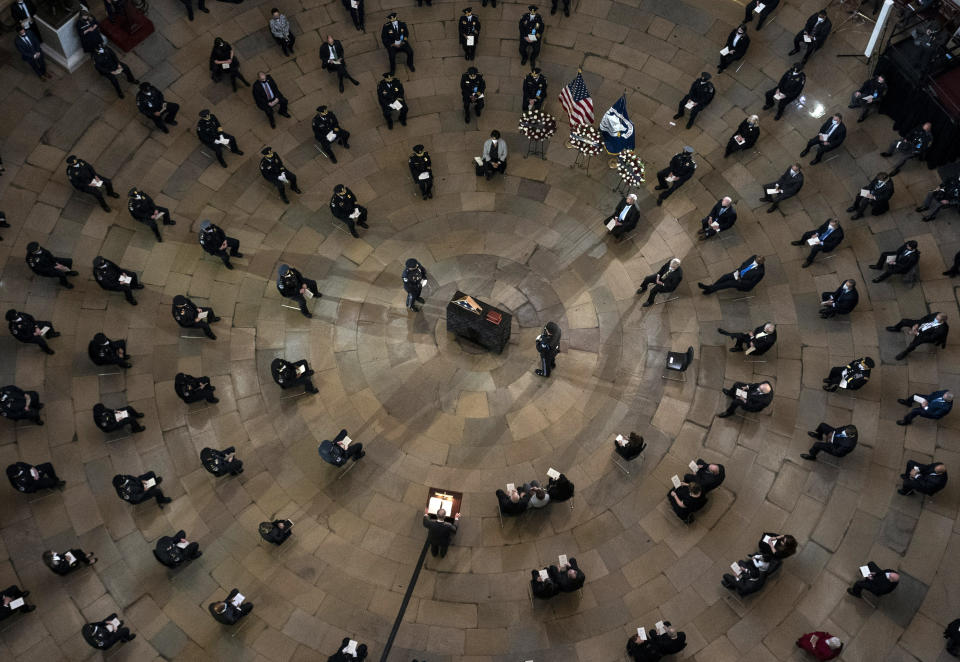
700, 95
137, 489
150, 102
390, 96
142, 208
273, 170
28, 330
469, 28
43, 263
672, 177
344, 206
332, 59
531, 36
85, 179
421, 169
211, 134
534, 90
288, 375
103, 351
220, 463
191, 316
20, 405
112, 278
292, 285
216, 242
107, 64
789, 88
222, 59
111, 420
28, 478
194, 389
327, 130
395, 37
414, 276
472, 88
548, 346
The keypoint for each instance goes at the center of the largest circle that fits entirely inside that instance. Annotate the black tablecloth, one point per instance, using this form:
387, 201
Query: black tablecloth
475, 327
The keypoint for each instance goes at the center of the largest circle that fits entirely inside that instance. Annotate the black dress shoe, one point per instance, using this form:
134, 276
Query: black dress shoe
723, 415
887, 154
794, 51
807, 456
894, 329
922, 208
904, 401
813, 434
678, 116
873, 266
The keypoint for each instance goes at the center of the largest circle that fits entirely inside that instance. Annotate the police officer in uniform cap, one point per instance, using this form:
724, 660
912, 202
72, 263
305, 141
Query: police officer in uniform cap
112, 278
220, 463
150, 102
396, 38
790, 86
548, 346
28, 330
103, 351
288, 375
194, 389
531, 36
293, 285
143, 209
534, 90
701, 94
211, 134
325, 123
469, 26
43, 263
111, 420
332, 59
216, 242
191, 316
344, 206
28, 478
19, 405
107, 64
419, 164
273, 170
414, 276
472, 87
680, 170
85, 179
390, 91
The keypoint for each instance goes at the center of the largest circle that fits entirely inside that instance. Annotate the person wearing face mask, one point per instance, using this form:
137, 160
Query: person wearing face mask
26, 329
913, 145
469, 29
107, 64
472, 88
150, 102
531, 36
89, 31
869, 96
396, 39
534, 91
842, 301
736, 47
111, 420
327, 130
721, 217
789, 88
215, 241
282, 34
876, 195
548, 346
390, 95
28, 45
787, 186
625, 218
85, 179
290, 375
191, 316
851, 377
494, 155
103, 351
344, 206
43, 263
750, 397
745, 137
681, 168
414, 275
24, 15
755, 343
295, 286
142, 208
112, 278
832, 134
421, 170
899, 261
945, 195
211, 134
699, 97
273, 170
222, 58
19, 405
814, 35
761, 8
332, 59
825, 238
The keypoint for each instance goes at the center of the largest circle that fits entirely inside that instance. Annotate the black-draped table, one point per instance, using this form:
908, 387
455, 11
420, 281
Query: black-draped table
476, 326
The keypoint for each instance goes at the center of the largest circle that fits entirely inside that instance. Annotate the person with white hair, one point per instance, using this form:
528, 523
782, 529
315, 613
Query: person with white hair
721, 217
624, 217
822, 645
667, 279
754, 342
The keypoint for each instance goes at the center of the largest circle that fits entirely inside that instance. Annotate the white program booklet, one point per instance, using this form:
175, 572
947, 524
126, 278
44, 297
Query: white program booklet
690, 104
767, 540
147, 484
865, 570
759, 8
510, 487
356, 213
71, 559
813, 241
353, 4
125, 279
671, 178
478, 160
222, 141
396, 105
237, 599
661, 628
351, 648
44, 330
642, 634
308, 294
301, 369
331, 136
772, 191
97, 181
724, 51
203, 314
553, 473
434, 505
620, 440
563, 560
424, 175
283, 177
778, 95
675, 479
543, 574
16, 604
532, 37
741, 393
740, 139
183, 545
346, 441
917, 398
120, 414
471, 40
807, 38
864, 193
694, 467
891, 259
612, 224
225, 65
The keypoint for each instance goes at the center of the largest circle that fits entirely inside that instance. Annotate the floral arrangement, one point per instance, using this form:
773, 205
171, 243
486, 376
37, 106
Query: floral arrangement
586, 138
538, 125
630, 167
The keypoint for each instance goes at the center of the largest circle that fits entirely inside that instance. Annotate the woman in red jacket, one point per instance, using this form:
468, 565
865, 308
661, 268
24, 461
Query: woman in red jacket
823, 645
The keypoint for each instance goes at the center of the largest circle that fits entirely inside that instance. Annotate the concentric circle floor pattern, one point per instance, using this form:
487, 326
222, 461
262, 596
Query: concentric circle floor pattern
433, 411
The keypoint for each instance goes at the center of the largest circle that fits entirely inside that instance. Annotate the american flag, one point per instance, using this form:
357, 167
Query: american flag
575, 99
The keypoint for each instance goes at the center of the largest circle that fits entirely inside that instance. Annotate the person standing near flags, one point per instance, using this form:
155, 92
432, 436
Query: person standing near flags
575, 99
531, 36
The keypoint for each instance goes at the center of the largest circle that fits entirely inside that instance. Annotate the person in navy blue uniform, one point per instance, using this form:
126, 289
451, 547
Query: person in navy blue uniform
534, 90
28, 330
19, 405
914, 145
223, 59
211, 134
288, 375
28, 479
43, 263
111, 420
107, 64
142, 208
277, 531
829, 235
194, 389
335, 453
945, 195
220, 463
681, 168
133, 489
355, 7
325, 123
472, 89
934, 406
832, 441
85, 179
390, 92
469, 26
151, 103
104, 634
548, 346
191, 316
344, 206
851, 377
396, 39
531, 36
420, 165
744, 279
273, 170
215, 241
701, 94
228, 613
790, 86
103, 351
112, 278
413, 276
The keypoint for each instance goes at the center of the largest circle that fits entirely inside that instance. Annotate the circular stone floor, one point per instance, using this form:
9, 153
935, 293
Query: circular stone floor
432, 411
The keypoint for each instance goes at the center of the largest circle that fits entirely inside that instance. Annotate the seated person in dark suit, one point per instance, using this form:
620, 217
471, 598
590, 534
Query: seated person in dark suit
343, 654
945, 195
26, 329
934, 406
338, 451
28, 478
932, 328
173, 550
842, 301
630, 447
112, 278
686, 500
777, 546
230, 610
670, 642
879, 582
137, 489
104, 634
221, 463
757, 341
103, 351
952, 634
721, 217
8, 597
736, 47
852, 376
277, 531
513, 503
625, 217
194, 389
751, 10
568, 577
756, 398
19, 405
191, 316
544, 588
832, 134
111, 420
789, 184
708, 476
440, 529
832, 441
642, 650
752, 576
869, 96
667, 279
827, 237
64, 564
560, 489
743, 279
899, 261
879, 191
923, 478
287, 375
